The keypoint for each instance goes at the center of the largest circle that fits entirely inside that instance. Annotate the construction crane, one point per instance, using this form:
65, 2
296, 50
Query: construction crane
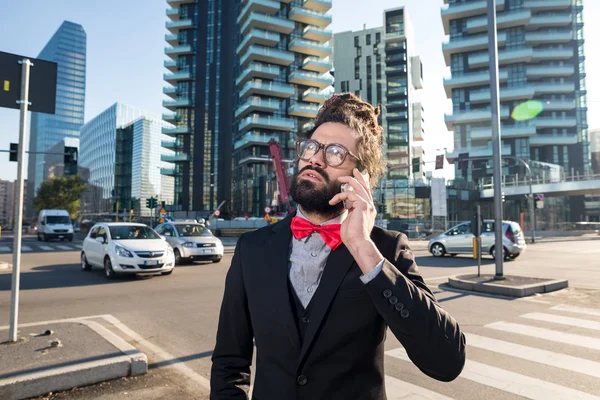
282, 178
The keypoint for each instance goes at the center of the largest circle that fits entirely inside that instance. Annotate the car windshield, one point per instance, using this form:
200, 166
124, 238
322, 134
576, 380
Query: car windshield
57, 219
132, 232
193, 230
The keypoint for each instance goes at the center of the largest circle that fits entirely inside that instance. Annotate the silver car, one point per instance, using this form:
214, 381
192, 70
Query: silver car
191, 241
459, 240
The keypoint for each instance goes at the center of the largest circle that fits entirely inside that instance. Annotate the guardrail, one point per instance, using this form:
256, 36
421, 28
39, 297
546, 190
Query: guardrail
523, 180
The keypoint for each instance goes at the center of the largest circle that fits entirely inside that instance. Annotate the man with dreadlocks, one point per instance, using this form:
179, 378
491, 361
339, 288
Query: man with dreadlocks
316, 291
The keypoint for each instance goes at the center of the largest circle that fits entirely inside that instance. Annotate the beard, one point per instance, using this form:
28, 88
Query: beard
314, 197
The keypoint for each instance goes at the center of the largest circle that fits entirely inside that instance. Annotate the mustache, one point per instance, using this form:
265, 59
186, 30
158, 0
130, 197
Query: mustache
318, 170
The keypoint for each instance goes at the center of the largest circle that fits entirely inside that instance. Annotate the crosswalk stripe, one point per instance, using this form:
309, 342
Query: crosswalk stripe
547, 334
47, 248
5, 248
558, 319
511, 382
62, 247
25, 248
577, 310
78, 246
401, 390
545, 357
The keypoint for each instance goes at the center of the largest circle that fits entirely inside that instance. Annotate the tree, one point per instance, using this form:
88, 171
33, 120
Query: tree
60, 193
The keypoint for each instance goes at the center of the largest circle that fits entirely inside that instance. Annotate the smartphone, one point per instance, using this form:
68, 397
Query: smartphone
346, 187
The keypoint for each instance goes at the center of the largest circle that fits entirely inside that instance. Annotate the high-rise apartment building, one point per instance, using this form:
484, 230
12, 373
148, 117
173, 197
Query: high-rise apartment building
125, 157
542, 82
201, 90
381, 66
282, 77
67, 48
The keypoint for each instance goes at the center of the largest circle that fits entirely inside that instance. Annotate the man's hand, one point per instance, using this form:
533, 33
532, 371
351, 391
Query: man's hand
355, 231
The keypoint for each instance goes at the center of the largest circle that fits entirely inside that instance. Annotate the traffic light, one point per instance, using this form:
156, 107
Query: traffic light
132, 204
503, 198
151, 202
13, 156
70, 160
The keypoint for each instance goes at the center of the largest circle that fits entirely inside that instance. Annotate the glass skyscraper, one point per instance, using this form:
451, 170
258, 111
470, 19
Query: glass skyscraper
67, 48
201, 82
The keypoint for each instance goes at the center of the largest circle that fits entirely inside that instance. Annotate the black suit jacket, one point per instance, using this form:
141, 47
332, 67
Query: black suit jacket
342, 354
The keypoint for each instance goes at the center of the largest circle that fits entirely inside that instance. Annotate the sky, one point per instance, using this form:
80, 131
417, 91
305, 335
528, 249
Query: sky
125, 53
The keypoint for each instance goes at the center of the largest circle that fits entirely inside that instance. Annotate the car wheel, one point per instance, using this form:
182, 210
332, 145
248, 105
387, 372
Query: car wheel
44, 238
70, 239
217, 260
177, 255
167, 272
513, 256
109, 273
504, 253
39, 238
438, 250
85, 265
453, 255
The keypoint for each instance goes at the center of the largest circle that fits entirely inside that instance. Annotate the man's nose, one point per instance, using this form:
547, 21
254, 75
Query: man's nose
318, 158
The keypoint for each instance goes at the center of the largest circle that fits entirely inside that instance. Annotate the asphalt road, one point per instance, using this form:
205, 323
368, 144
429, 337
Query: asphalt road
546, 347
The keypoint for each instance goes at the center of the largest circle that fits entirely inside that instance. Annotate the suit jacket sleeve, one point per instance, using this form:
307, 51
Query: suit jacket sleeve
430, 336
232, 357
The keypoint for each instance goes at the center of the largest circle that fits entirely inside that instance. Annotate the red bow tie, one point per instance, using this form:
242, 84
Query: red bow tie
330, 233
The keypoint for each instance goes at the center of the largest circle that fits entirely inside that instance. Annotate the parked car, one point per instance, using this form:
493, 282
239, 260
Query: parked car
54, 224
459, 240
126, 248
191, 241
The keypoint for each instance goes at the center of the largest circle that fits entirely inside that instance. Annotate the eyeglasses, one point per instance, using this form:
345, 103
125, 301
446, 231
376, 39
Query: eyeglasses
334, 153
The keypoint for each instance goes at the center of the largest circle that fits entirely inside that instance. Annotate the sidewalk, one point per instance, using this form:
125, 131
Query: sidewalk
61, 355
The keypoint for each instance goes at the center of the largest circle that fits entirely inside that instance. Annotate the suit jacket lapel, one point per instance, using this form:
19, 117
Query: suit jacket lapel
338, 264
277, 256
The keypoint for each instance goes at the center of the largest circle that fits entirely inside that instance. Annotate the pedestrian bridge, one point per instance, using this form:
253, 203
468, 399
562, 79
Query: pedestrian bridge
548, 185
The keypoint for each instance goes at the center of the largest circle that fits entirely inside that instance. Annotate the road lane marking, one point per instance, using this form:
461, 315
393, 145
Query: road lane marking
562, 361
511, 382
63, 247
5, 248
547, 334
558, 319
577, 310
25, 248
398, 390
77, 246
46, 248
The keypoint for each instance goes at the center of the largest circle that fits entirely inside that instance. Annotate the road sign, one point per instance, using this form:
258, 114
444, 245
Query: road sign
217, 213
539, 197
162, 214
540, 204
267, 209
42, 83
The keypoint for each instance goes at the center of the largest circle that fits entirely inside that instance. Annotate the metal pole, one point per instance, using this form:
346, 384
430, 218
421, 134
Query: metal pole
496, 136
14, 298
479, 240
531, 204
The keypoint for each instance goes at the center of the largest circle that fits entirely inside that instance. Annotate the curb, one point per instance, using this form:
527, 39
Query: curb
131, 363
508, 291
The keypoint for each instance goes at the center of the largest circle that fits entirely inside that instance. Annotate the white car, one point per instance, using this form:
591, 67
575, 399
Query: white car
191, 241
126, 248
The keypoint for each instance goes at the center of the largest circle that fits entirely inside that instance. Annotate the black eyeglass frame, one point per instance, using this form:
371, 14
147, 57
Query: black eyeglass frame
320, 146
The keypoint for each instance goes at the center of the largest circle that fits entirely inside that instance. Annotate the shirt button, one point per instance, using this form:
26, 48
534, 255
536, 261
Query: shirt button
305, 320
302, 380
312, 253
387, 293
310, 289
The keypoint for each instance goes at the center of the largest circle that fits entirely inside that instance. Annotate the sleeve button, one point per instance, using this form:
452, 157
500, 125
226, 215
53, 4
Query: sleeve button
393, 300
387, 293
399, 306
404, 313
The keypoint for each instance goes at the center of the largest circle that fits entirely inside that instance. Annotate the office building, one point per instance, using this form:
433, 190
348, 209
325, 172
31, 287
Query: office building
381, 66
201, 53
282, 77
595, 151
127, 159
54, 160
67, 48
542, 89
6, 203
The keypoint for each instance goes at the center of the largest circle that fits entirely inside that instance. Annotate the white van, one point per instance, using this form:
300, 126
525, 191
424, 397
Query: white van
54, 224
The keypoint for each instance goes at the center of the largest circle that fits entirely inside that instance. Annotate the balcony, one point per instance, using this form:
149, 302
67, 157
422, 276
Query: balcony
549, 88
315, 96
177, 3
257, 121
170, 144
535, 38
507, 132
470, 80
170, 91
173, 13
548, 5
504, 21
482, 59
552, 140
173, 104
175, 158
270, 89
317, 34
550, 71
522, 93
258, 70
177, 76
177, 51
550, 21
175, 26
262, 6
549, 122
395, 69
315, 64
171, 65
317, 5
473, 116
552, 54
168, 171
250, 139
310, 48
483, 151
466, 10
395, 139
303, 110
267, 55
255, 104
306, 78
468, 44
310, 17
559, 105
170, 117
178, 130
259, 36
267, 22
172, 39
396, 115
